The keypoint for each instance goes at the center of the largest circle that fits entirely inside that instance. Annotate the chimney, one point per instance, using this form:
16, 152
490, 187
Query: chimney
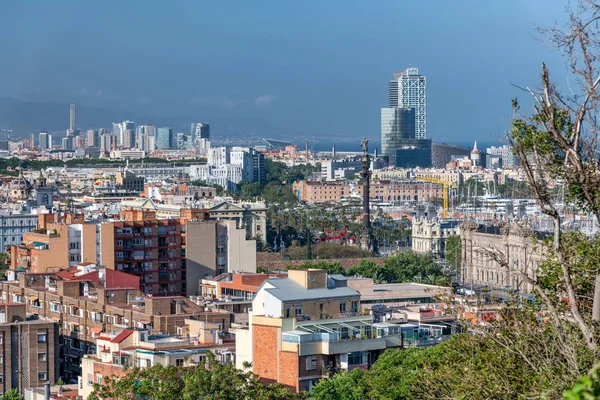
47, 390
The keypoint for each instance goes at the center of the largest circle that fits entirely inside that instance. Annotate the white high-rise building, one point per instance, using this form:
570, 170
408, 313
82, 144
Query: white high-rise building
408, 89
120, 129
43, 140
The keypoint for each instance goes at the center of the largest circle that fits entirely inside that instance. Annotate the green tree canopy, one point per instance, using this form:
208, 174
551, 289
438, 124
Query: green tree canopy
210, 381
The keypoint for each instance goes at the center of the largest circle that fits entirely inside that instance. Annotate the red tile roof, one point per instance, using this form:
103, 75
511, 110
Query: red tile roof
122, 336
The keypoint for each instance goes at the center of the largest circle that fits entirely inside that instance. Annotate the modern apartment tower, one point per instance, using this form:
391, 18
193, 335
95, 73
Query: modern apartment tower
408, 89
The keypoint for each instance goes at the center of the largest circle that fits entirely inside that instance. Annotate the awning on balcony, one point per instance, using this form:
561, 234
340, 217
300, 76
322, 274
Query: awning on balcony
33, 298
96, 330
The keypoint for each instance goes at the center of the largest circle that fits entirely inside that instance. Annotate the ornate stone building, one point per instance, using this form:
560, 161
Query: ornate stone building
430, 235
499, 254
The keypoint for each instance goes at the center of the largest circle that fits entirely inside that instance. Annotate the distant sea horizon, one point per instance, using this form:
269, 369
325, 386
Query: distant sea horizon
347, 146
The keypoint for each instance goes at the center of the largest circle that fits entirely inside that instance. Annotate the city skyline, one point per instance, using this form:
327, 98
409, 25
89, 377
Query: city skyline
255, 76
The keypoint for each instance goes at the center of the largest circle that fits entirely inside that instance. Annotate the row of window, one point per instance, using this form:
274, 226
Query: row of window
343, 309
42, 376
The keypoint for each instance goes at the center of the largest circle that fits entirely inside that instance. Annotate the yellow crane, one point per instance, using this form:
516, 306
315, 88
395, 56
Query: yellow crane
446, 184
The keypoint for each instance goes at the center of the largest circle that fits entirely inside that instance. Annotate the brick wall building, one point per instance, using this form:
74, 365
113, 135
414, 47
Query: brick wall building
308, 326
382, 190
84, 308
28, 349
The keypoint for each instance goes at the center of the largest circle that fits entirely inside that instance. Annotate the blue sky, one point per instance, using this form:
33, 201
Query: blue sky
309, 67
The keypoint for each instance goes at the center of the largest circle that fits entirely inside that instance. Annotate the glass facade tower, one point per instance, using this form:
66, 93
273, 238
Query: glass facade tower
164, 138
397, 125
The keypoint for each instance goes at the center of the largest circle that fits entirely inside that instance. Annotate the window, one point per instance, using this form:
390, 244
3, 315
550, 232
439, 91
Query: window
357, 358
42, 338
355, 306
179, 362
343, 307
42, 357
1, 358
311, 363
148, 363
96, 316
287, 312
298, 310
42, 376
55, 307
1, 378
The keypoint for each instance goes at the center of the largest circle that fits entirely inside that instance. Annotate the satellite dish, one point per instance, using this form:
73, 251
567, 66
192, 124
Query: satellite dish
388, 316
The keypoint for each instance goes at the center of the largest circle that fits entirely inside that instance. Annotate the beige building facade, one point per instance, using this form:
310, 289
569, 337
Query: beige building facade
499, 255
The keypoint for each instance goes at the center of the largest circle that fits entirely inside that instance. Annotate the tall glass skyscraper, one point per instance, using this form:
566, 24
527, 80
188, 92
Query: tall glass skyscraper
397, 125
404, 122
164, 138
408, 89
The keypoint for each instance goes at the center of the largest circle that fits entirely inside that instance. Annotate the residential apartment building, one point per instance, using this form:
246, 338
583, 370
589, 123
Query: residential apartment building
227, 166
165, 253
232, 253
510, 242
88, 302
308, 326
139, 348
151, 248
28, 349
13, 225
382, 190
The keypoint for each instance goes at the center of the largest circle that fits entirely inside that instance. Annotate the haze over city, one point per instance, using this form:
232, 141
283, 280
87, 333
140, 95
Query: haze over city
304, 68
311, 200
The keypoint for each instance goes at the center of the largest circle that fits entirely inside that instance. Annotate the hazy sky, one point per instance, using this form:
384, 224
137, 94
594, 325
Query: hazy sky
310, 66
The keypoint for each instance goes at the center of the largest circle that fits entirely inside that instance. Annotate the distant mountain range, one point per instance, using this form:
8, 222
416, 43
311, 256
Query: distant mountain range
26, 117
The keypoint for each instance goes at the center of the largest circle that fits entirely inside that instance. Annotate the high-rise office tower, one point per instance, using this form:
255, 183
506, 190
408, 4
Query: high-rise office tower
72, 118
92, 138
181, 139
397, 125
120, 128
149, 144
393, 90
49, 142
67, 143
200, 130
128, 139
164, 138
408, 89
43, 140
106, 141
142, 134
404, 140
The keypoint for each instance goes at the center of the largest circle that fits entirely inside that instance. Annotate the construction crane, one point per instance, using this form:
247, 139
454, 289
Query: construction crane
446, 184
